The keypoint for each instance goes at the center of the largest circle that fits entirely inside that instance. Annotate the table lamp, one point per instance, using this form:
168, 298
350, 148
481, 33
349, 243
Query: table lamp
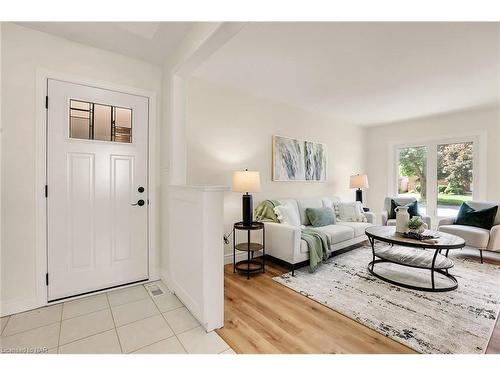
246, 182
359, 181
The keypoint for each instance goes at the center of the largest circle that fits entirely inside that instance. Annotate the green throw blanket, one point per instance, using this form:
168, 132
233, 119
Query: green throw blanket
265, 211
318, 242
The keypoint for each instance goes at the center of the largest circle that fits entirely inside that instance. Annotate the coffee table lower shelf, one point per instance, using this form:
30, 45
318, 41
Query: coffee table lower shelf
415, 287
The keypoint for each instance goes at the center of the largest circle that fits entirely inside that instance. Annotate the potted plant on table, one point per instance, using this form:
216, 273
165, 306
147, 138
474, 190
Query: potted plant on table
416, 225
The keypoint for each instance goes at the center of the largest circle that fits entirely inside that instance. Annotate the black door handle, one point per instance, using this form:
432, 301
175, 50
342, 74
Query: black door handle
140, 202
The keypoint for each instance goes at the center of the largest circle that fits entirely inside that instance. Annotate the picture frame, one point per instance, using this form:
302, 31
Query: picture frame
298, 160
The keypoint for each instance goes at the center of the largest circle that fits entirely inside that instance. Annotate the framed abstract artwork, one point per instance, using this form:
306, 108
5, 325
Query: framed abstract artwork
298, 160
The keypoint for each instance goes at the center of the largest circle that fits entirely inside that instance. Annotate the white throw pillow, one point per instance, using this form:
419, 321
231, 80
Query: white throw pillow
350, 211
287, 214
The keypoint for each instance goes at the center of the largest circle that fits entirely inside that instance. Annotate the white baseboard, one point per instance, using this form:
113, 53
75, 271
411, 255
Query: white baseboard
165, 279
240, 255
19, 305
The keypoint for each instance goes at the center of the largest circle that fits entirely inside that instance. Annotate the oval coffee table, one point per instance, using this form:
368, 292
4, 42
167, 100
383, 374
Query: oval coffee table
414, 254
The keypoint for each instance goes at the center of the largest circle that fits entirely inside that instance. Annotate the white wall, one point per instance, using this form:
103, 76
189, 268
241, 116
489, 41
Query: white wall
228, 130
172, 134
23, 51
379, 139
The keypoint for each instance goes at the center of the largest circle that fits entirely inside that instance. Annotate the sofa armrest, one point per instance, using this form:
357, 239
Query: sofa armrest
445, 221
370, 217
282, 241
384, 216
494, 242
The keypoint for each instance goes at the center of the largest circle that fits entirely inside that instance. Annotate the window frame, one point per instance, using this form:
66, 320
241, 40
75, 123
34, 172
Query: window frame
479, 175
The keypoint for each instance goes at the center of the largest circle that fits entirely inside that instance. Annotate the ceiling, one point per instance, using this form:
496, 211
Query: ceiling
359, 72
364, 73
149, 41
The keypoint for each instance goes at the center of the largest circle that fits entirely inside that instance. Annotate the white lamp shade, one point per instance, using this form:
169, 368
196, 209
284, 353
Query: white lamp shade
246, 181
359, 181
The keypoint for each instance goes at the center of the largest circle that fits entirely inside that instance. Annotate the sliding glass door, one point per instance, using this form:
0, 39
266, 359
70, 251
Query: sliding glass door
412, 174
455, 171
440, 174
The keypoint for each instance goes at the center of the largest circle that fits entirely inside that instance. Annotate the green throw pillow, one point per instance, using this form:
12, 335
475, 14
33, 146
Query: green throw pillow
476, 218
320, 217
412, 208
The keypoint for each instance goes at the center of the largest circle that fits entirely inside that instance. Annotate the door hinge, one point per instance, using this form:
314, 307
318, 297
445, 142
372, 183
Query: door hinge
46, 101
46, 191
46, 279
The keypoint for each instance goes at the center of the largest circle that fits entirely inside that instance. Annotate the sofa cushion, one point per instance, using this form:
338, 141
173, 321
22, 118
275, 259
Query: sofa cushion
400, 200
304, 203
288, 214
482, 205
330, 201
291, 202
412, 208
350, 211
473, 236
337, 233
320, 217
481, 218
359, 228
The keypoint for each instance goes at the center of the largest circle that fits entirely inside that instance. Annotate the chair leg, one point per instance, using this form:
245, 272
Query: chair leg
481, 255
293, 269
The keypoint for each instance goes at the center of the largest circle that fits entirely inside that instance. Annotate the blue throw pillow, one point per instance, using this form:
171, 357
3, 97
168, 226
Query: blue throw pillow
484, 218
320, 217
412, 208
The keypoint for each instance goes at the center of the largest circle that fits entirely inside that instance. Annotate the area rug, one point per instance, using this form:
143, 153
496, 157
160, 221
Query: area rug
460, 321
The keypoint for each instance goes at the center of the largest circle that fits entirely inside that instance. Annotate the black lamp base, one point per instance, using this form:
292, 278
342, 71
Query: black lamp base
247, 204
359, 195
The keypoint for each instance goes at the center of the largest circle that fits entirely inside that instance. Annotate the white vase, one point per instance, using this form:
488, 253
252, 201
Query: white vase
402, 219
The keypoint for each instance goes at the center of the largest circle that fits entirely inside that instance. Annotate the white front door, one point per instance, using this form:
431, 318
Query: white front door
97, 189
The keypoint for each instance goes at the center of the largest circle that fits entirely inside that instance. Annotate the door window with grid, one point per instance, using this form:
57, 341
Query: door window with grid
99, 122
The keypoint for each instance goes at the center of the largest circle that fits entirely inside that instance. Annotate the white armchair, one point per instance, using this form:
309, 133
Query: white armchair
482, 239
401, 200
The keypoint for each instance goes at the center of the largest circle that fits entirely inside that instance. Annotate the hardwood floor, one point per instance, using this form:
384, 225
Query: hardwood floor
262, 316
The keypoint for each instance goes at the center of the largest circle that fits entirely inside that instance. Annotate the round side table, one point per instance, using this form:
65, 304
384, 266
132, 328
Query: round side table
249, 265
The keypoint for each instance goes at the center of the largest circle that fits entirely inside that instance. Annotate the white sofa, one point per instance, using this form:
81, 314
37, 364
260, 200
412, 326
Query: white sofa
480, 238
284, 241
402, 201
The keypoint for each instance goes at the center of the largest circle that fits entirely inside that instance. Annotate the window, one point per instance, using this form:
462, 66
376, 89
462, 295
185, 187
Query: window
454, 176
440, 174
100, 122
412, 178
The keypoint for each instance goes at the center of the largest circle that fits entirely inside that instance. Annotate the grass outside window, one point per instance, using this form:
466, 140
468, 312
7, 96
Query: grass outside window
444, 199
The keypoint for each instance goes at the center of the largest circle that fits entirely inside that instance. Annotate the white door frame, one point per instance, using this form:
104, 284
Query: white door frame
41, 269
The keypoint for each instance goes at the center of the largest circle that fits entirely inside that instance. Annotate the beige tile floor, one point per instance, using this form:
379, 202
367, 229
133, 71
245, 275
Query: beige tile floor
128, 320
